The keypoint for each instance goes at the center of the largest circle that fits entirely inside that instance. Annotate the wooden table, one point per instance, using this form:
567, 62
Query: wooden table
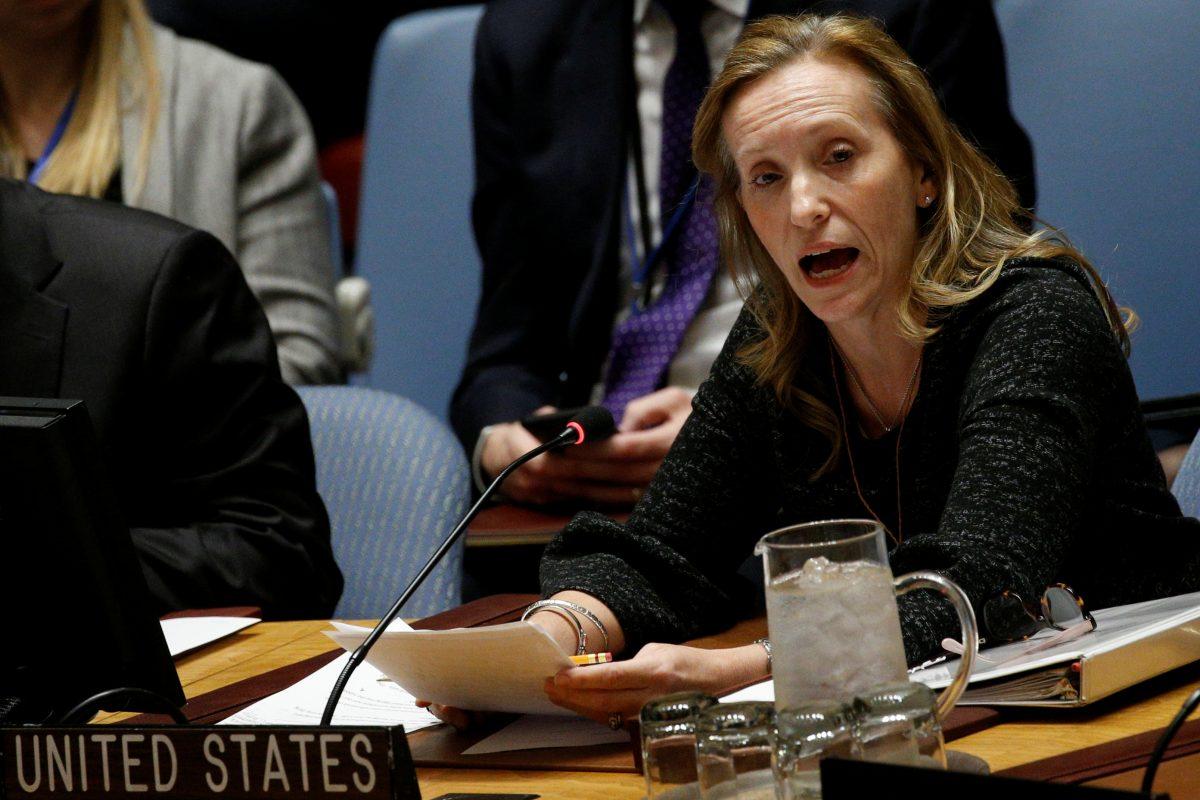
1029, 737
508, 525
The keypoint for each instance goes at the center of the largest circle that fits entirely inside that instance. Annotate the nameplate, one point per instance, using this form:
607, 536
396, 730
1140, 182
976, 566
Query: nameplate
854, 780
229, 762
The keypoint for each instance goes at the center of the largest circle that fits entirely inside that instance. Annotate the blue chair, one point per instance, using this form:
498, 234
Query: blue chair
1107, 90
415, 244
1187, 483
395, 482
356, 317
333, 219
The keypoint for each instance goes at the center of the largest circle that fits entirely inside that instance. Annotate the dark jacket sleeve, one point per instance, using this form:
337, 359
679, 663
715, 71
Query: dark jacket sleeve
1047, 394
231, 515
671, 572
959, 46
501, 381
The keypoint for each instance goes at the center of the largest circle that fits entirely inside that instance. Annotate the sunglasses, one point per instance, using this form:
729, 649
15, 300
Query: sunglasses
1010, 619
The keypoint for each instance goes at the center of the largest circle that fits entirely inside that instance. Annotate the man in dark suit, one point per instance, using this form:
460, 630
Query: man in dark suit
152, 325
567, 96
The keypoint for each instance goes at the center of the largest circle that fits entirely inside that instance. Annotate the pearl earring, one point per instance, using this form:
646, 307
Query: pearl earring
928, 200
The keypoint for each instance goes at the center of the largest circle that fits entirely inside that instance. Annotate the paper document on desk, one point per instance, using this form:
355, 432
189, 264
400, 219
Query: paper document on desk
762, 692
369, 699
185, 634
494, 668
535, 731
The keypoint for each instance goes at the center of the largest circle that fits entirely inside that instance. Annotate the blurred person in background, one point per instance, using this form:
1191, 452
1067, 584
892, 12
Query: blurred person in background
600, 265
207, 451
97, 100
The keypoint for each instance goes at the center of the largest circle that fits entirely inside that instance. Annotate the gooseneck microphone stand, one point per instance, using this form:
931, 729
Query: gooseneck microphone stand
594, 418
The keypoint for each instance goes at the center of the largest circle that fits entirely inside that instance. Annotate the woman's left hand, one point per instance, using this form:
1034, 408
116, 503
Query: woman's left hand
623, 687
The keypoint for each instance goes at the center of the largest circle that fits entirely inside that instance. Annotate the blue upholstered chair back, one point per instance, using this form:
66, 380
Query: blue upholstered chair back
415, 244
1187, 483
395, 482
333, 218
1108, 91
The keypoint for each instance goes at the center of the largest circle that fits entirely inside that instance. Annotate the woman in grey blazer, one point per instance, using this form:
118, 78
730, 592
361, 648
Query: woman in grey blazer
97, 100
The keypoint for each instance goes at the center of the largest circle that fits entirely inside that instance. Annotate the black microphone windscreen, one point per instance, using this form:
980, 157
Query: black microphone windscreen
596, 421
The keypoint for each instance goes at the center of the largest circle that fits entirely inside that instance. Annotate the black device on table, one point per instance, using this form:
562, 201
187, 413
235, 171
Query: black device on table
72, 587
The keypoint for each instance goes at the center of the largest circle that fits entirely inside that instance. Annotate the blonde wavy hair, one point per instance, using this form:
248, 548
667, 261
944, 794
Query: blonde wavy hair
89, 153
963, 241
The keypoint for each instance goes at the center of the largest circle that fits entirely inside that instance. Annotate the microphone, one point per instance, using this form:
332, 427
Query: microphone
594, 422
591, 423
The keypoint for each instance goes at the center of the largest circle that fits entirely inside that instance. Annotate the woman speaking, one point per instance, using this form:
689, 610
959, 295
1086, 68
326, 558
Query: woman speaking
907, 352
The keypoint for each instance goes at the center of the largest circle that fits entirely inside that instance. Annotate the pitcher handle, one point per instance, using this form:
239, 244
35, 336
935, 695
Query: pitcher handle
970, 631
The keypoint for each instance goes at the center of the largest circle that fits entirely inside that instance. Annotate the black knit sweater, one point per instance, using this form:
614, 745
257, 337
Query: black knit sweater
1023, 461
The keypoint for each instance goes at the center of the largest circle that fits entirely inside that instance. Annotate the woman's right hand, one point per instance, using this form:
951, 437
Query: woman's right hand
623, 687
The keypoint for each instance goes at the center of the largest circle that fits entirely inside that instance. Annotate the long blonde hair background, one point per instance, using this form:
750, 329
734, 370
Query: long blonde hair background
85, 160
964, 240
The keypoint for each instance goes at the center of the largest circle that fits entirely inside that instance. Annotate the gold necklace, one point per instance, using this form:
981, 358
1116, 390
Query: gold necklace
853, 373
897, 537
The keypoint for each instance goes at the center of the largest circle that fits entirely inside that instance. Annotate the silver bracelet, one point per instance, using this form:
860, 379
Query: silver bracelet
587, 613
555, 607
766, 645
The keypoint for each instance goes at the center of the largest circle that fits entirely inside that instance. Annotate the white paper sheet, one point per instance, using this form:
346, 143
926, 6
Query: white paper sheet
368, 700
185, 634
534, 731
762, 692
494, 668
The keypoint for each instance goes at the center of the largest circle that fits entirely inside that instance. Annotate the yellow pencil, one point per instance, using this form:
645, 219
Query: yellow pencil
592, 658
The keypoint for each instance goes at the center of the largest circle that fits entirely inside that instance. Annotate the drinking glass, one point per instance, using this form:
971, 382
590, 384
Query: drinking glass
831, 612
899, 724
669, 744
734, 742
803, 736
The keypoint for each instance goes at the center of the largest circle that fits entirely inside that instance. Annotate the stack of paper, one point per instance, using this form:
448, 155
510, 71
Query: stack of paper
495, 668
369, 699
499, 668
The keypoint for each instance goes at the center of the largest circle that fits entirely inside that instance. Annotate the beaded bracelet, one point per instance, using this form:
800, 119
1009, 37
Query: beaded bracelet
555, 607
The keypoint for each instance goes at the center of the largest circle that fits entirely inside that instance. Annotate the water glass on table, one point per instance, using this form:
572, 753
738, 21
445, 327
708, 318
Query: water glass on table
899, 724
734, 745
804, 735
668, 726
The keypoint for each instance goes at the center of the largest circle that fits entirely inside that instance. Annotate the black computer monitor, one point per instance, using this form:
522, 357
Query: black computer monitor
74, 598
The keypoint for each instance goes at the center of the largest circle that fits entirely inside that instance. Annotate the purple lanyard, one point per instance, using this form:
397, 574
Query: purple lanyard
60, 127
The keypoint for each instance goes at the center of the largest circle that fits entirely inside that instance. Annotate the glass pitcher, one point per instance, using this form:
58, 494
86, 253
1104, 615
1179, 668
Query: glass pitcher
831, 612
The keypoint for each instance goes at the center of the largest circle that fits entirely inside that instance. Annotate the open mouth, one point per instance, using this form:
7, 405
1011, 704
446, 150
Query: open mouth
828, 264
